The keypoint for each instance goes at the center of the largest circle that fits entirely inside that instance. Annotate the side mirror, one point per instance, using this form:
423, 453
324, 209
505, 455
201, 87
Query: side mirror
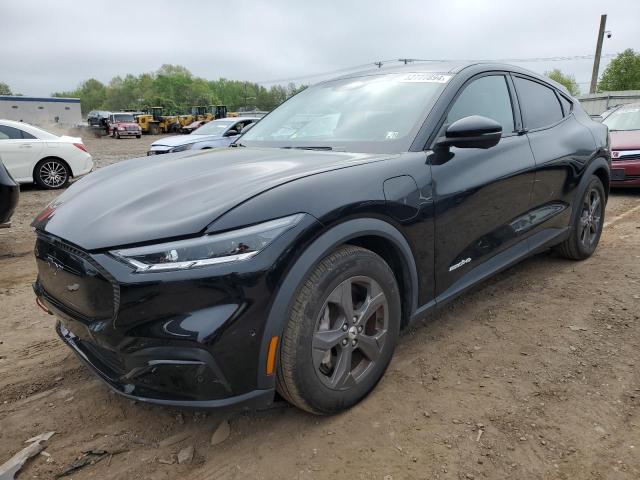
231, 133
472, 132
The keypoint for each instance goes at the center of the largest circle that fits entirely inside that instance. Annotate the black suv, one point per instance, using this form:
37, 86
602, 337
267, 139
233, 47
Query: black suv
289, 261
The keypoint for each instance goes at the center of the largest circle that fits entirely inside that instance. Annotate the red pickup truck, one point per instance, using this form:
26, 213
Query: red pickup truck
123, 125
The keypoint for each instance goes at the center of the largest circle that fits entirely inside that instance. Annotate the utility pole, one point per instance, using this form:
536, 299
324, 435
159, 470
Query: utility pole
405, 60
378, 64
596, 60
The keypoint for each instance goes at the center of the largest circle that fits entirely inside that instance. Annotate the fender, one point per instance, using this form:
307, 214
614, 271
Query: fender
596, 163
322, 246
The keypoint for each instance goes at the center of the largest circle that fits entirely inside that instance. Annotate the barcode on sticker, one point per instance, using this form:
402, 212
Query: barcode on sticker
426, 77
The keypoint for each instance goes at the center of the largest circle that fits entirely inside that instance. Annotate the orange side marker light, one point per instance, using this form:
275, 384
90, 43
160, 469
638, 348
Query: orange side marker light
271, 355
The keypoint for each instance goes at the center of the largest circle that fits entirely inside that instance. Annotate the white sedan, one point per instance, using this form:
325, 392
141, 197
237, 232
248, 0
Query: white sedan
32, 155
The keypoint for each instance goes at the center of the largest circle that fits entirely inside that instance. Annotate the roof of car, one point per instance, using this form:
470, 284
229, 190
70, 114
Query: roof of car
450, 68
32, 129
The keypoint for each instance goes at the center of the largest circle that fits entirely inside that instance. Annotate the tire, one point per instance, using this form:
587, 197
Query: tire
587, 226
333, 355
52, 173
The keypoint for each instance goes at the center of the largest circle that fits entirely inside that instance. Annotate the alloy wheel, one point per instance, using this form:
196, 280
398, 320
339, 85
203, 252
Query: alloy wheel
350, 332
53, 174
590, 217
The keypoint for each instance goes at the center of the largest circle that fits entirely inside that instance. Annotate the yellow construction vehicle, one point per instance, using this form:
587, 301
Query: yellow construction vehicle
153, 122
218, 111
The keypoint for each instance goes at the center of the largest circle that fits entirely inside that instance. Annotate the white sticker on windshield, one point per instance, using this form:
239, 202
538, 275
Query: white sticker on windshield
426, 77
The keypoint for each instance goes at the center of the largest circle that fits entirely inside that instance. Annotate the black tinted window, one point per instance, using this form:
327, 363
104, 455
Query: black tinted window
488, 97
10, 133
539, 104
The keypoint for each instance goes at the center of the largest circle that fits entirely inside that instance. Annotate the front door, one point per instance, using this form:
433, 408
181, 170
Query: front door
480, 193
19, 151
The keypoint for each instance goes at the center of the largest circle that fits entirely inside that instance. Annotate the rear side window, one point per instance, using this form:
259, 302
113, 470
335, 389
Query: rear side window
10, 133
487, 96
539, 104
566, 105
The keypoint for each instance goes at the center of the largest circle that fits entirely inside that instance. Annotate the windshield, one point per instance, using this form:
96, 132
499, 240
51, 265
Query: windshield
217, 127
377, 113
624, 119
123, 117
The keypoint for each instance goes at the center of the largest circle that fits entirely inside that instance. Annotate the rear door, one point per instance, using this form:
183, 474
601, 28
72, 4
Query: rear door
480, 193
561, 146
19, 151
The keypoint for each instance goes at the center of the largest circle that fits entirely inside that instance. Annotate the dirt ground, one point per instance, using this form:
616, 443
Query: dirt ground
534, 374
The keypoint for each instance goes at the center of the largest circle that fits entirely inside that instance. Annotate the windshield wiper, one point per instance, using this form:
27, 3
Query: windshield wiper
237, 144
310, 147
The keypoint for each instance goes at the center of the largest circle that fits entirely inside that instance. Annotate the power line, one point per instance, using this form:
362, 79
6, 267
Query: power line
380, 63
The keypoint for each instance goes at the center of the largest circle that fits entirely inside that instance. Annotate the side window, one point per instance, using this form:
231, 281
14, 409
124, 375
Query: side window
10, 133
487, 96
539, 104
566, 104
27, 135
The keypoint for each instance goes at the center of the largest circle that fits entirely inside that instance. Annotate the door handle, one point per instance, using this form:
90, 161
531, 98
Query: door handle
25, 145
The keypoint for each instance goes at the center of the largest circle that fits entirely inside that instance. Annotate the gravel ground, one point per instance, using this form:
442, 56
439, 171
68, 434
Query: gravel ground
533, 374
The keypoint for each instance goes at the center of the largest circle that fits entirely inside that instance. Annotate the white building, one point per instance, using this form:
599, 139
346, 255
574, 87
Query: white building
596, 103
43, 111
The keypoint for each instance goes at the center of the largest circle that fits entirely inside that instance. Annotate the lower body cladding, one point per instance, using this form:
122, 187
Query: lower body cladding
625, 173
184, 338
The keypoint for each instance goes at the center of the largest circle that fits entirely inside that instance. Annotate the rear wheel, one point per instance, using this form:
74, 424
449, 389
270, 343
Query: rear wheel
341, 334
587, 226
52, 173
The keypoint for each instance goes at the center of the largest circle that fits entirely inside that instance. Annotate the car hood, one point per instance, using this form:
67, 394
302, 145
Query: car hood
625, 140
174, 195
177, 140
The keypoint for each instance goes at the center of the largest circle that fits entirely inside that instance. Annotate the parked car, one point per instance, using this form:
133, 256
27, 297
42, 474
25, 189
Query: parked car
217, 133
9, 194
97, 118
193, 126
290, 261
33, 155
624, 128
123, 124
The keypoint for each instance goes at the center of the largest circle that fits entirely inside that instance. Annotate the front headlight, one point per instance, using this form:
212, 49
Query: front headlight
233, 246
181, 148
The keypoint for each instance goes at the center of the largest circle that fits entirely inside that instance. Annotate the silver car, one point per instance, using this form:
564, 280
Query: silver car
217, 133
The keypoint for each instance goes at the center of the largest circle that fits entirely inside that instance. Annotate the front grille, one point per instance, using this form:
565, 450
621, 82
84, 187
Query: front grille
635, 156
73, 280
131, 128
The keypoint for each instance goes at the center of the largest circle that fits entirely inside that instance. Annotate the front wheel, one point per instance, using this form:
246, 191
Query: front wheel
51, 173
341, 334
587, 226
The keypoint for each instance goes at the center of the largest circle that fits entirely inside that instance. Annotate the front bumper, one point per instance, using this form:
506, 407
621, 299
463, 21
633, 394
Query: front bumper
625, 173
129, 133
192, 338
142, 382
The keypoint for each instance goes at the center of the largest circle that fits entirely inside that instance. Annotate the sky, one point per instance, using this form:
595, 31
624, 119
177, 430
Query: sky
51, 46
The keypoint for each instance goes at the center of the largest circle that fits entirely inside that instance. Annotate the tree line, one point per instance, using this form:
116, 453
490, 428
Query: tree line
176, 89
